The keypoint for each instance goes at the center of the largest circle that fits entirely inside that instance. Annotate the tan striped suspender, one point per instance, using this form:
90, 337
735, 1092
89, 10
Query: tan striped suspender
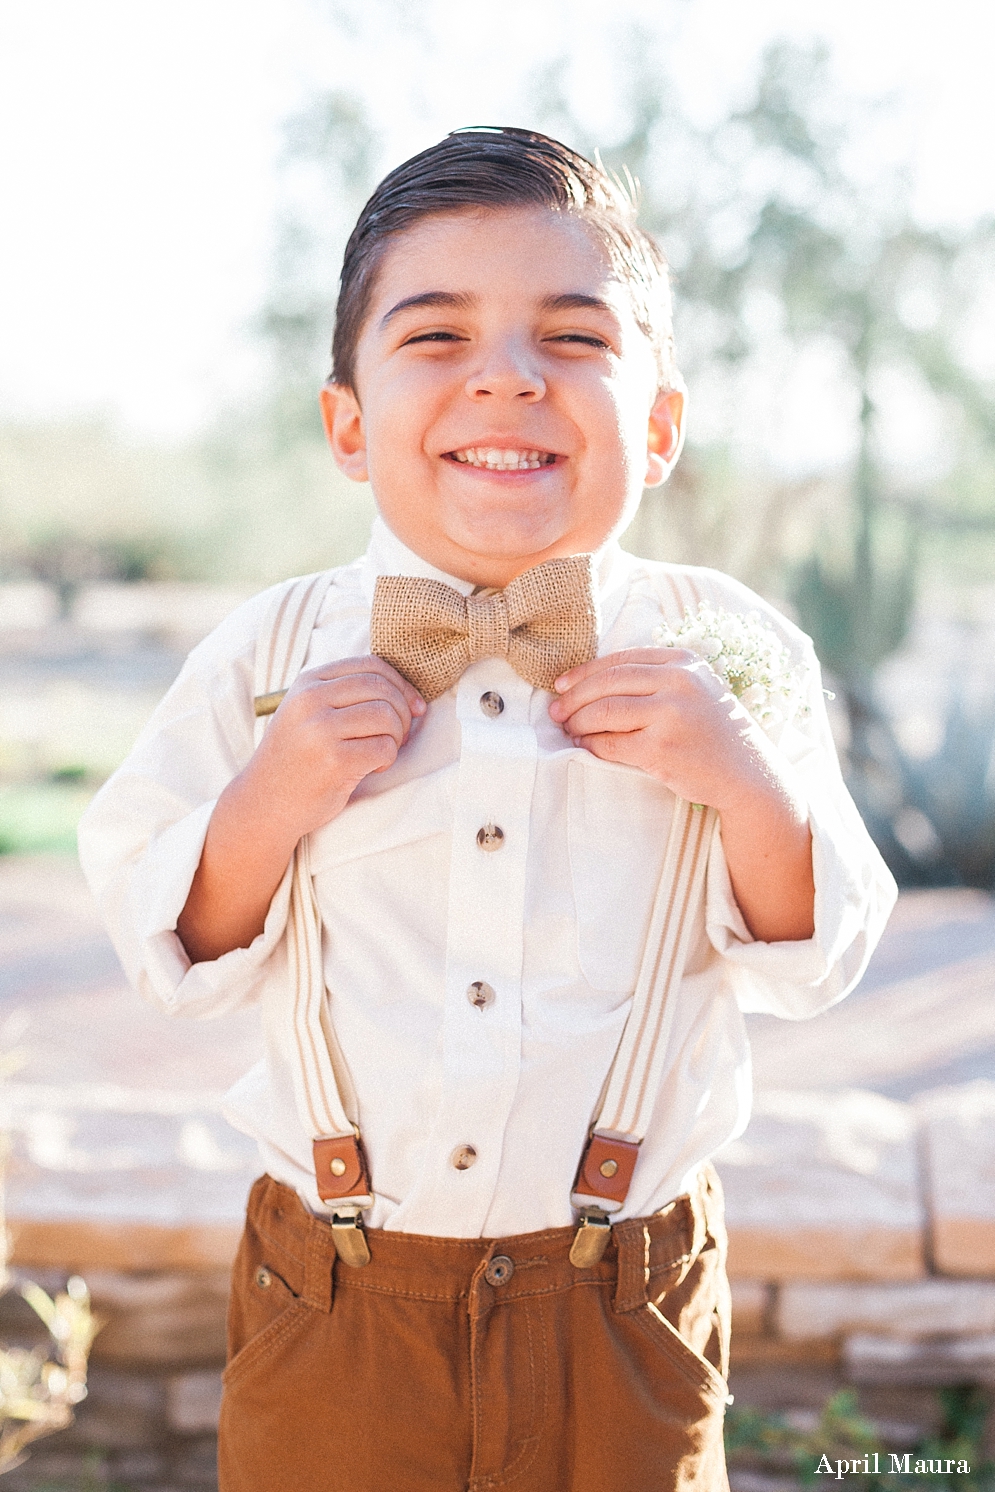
321, 1080
619, 1128
322, 1086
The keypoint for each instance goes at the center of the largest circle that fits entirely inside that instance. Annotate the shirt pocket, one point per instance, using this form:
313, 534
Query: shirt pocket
379, 825
619, 819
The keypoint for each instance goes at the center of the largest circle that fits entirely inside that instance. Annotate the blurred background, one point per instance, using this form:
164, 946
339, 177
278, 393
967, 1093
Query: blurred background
178, 186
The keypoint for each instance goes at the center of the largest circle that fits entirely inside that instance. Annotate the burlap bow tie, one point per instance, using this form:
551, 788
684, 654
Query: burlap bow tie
544, 622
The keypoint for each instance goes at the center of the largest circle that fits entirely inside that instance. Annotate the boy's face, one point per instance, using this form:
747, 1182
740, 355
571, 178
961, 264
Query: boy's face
506, 407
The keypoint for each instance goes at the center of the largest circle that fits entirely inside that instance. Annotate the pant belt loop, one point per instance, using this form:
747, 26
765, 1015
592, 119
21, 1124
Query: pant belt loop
319, 1256
632, 1242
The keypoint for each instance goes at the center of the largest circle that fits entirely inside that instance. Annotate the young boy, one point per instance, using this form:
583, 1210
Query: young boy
488, 1251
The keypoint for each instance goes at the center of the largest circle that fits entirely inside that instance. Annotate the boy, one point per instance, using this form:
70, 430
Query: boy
460, 844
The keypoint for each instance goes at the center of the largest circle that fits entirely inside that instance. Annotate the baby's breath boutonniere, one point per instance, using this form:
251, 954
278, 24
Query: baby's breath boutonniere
748, 657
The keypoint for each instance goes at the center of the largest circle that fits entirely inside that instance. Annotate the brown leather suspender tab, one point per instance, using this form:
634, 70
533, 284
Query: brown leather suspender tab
606, 1168
340, 1168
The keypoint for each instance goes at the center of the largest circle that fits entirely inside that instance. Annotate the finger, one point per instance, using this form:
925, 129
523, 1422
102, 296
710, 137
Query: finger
369, 718
655, 655
612, 713
358, 688
619, 678
609, 746
367, 754
341, 667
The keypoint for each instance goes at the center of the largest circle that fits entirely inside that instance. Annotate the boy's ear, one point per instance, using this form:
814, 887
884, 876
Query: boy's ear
666, 435
343, 421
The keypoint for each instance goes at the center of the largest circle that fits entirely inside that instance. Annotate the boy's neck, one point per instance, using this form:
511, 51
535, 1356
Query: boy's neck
465, 570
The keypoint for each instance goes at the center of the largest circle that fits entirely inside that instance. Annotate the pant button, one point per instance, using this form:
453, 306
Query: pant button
500, 1270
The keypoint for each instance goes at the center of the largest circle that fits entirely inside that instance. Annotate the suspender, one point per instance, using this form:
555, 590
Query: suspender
323, 1089
609, 1157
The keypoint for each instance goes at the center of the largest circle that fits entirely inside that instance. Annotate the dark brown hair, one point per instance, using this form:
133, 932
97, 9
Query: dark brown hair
494, 168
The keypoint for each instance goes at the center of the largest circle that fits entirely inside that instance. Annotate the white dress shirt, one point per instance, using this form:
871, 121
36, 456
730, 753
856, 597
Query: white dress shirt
415, 913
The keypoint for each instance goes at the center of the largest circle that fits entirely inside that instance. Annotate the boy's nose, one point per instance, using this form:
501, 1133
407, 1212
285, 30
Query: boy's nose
508, 372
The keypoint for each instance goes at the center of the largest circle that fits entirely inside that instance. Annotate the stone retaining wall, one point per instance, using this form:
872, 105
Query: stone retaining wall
862, 1239
862, 1233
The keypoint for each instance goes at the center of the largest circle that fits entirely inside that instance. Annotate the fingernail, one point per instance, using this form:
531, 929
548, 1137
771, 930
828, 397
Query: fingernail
561, 684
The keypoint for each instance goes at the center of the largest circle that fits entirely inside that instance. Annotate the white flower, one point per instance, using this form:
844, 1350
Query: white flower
748, 657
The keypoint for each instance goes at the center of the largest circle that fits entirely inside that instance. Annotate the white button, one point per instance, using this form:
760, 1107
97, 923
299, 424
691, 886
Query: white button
490, 837
463, 1157
492, 704
480, 994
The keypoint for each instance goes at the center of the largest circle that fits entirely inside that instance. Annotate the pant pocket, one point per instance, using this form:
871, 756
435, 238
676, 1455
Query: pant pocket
267, 1283
702, 1375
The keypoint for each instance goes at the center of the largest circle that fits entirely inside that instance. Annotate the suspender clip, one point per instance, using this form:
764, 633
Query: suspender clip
350, 1240
591, 1238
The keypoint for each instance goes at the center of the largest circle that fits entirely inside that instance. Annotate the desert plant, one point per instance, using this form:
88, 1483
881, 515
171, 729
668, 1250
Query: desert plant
41, 1385
38, 1394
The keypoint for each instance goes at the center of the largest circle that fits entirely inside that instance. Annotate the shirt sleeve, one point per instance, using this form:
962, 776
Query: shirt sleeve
854, 890
140, 840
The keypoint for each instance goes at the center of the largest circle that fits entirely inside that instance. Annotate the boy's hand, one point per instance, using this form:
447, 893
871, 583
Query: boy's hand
664, 710
335, 725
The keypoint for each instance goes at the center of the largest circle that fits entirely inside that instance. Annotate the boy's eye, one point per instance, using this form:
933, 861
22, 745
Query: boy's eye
432, 337
588, 341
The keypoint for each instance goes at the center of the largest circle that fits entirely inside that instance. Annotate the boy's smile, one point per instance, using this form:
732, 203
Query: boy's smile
506, 409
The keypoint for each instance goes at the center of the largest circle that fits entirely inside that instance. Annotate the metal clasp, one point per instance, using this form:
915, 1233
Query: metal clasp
350, 1239
591, 1238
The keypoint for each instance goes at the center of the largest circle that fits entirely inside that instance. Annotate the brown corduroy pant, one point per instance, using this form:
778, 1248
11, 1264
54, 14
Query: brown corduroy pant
458, 1365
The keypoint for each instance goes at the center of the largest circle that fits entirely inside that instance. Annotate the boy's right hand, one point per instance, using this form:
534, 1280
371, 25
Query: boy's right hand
335, 725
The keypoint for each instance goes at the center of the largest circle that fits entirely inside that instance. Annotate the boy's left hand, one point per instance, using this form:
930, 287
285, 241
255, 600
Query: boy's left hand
664, 710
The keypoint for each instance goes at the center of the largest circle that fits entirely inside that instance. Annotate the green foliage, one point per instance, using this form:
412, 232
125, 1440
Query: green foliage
247, 502
855, 629
843, 1432
90, 1479
41, 817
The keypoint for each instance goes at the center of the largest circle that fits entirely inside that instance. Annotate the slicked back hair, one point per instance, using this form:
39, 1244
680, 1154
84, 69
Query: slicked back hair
503, 168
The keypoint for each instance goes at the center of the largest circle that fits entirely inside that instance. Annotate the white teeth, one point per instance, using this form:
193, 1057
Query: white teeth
506, 460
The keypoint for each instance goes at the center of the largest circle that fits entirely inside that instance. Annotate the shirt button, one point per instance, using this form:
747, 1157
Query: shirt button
480, 994
490, 837
463, 1157
492, 704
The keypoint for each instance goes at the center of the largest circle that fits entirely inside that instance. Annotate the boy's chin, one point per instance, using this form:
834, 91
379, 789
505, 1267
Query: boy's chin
516, 551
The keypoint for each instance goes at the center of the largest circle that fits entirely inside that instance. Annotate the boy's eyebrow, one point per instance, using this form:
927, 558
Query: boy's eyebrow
574, 301
444, 299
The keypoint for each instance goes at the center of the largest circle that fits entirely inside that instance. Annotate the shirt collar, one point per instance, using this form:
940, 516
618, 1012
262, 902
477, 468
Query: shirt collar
386, 555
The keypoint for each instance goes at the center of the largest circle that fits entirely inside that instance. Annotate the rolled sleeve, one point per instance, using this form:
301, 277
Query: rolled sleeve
142, 837
157, 895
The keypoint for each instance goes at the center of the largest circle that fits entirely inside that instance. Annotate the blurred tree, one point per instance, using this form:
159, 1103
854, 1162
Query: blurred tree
790, 253
786, 250
330, 159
